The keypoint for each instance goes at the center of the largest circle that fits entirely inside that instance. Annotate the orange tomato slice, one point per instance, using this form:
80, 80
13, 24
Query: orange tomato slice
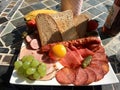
59, 50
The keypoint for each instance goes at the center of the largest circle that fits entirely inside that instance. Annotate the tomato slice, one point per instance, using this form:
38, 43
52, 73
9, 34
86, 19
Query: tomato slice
59, 50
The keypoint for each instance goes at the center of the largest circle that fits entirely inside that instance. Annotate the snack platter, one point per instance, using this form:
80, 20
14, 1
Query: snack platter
109, 78
98, 70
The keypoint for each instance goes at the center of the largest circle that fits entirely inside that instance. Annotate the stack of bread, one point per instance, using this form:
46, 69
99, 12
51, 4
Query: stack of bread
61, 26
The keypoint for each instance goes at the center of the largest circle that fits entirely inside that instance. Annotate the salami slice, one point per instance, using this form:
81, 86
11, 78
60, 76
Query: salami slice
100, 50
65, 76
104, 65
81, 77
100, 57
93, 47
91, 76
98, 71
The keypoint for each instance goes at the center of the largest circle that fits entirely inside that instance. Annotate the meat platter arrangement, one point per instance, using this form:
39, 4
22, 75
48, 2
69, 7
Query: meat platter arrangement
61, 50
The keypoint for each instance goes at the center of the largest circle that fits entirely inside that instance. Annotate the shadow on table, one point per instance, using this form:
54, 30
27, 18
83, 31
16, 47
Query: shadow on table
103, 35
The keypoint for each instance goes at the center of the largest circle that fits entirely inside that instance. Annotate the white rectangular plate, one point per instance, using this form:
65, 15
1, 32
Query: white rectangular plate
109, 78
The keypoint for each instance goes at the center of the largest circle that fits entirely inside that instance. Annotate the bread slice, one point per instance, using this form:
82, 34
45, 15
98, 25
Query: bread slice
64, 21
80, 23
48, 29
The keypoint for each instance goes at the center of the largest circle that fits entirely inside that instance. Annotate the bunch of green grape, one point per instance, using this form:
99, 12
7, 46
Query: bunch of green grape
31, 68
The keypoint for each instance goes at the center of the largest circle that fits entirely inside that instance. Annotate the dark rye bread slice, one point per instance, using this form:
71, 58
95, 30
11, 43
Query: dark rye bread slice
64, 21
48, 29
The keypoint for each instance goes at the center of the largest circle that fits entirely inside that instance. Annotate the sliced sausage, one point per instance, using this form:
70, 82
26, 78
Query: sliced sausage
104, 65
93, 47
98, 71
101, 49
91, 76
65, 76
81, 77
34, 44
78, 43
28, 38
100, 57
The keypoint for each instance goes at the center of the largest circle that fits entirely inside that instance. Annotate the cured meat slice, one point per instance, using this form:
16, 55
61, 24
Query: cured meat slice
100, 57
91, 76
93, 47
85, 52
81, 77
72, 59
98, 71
105, 67
100, 50
65, 76
103, 64
34, 44
28, 38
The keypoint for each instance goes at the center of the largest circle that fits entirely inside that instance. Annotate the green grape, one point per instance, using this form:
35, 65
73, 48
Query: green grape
36, 75
30, 71
28, 58
26, 65
17, 64
21, 71
35, 63
42, 69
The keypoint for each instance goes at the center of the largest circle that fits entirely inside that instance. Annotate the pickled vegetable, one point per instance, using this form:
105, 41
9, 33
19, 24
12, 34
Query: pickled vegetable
86, 61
